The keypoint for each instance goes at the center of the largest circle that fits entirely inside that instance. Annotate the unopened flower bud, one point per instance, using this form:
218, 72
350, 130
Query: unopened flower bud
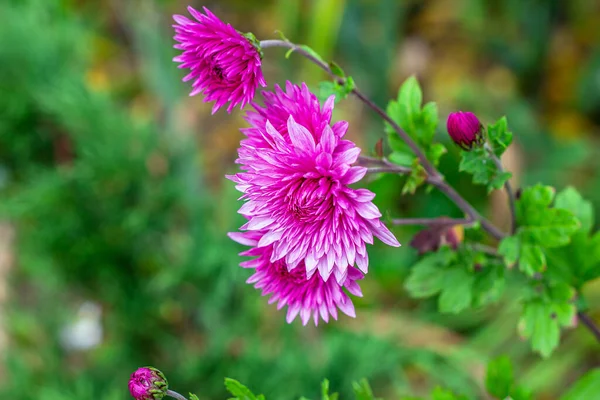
148, 383
465, 129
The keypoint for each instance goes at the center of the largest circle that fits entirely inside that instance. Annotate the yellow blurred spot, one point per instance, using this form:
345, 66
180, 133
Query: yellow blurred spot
500, 82
96, 79
568, 125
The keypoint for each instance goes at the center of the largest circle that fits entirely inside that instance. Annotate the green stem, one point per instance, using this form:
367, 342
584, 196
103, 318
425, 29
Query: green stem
507, 186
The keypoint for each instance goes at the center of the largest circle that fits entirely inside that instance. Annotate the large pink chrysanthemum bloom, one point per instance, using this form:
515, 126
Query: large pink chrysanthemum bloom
296, 188
224, 64
306, 297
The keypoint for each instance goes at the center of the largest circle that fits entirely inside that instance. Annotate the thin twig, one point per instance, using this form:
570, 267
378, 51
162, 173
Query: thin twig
590, 324
433, 175
431, 170
507, 186
440, 221
175, 395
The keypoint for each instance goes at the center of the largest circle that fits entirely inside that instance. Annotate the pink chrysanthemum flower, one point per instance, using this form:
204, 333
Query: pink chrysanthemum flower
224, 64
306, 297
296, 186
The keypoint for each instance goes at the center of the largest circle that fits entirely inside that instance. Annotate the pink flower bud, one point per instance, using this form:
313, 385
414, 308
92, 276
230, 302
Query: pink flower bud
465, 129
148, 383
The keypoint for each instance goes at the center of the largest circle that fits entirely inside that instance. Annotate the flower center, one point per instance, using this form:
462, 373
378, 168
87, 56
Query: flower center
297, 276
309, 199
218, 72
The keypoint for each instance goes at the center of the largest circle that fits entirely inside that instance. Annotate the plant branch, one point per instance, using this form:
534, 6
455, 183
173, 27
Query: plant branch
175, 395
431, 170
507, 186
441, 221
590, 324
434, 177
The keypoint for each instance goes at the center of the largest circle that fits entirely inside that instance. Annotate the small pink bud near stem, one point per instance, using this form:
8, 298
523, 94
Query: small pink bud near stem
465, 130
148, 383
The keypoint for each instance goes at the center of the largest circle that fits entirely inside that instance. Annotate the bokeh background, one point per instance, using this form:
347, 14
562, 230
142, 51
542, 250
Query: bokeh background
114, 205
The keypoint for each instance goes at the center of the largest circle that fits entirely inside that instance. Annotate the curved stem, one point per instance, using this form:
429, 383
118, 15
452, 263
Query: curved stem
434, 176
589, 323
441, 221
431, 170
444, 187
507, 187
175, 395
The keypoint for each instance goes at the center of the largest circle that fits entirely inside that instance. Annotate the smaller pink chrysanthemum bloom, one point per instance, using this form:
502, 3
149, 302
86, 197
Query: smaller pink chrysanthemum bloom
297, 190
465, 129
303, 296
148, 383
225, 65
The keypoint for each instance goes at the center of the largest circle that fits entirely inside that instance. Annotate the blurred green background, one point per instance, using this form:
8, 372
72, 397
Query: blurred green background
114, 205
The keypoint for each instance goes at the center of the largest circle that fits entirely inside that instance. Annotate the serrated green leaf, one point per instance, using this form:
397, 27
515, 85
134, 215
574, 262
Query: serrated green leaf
409, 100
416, 178
425, 279
499, 377
362, 390
532, 259
510, 248
586, 388
336, 69
489, 285
570, 200
485, 172
238, 390
457, 290
540, 326
325, 391
499, 136
435, 152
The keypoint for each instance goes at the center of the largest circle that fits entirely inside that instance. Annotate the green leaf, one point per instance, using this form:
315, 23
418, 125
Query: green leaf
313, 53
540, 224
325, 392
499, 136
193, 397
416, 178
532, 259
457, 290
586, 388
489, 284
362, 390
401, 158
425, 279
509, 248
444, 394
340, 91
499, 377
478, 163
336, 69
570, 199
435, 152
409, 102
239, 391
539, 325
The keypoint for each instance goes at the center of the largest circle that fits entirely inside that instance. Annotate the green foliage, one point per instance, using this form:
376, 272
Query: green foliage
499, 381
241, 392
420, 124
585, 388
540, 227
363, 391
578, 262
339, 90
462, 279
478, 163
545, 311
